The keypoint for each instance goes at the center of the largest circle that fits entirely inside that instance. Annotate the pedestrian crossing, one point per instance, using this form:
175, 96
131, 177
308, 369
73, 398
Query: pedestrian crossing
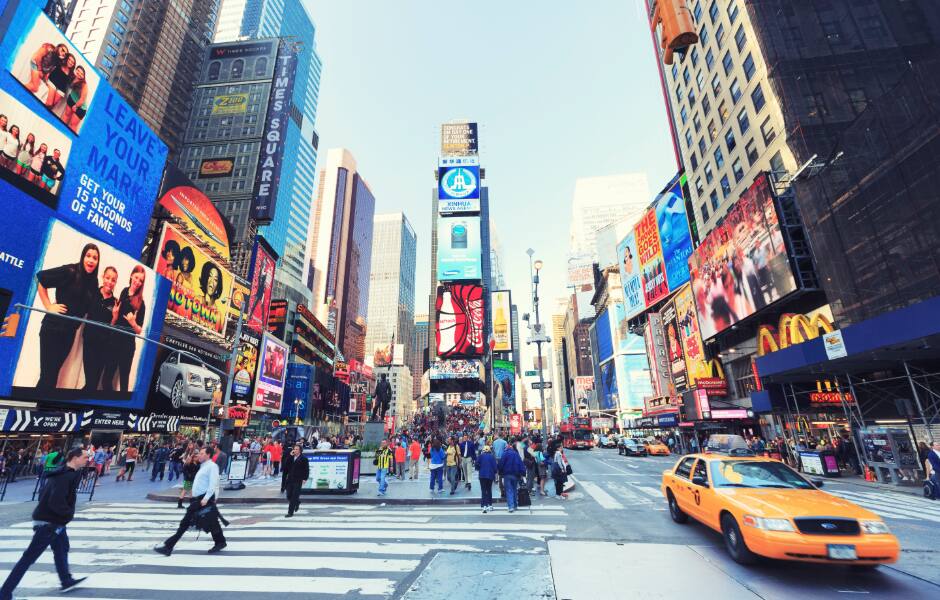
892, 505
324, 551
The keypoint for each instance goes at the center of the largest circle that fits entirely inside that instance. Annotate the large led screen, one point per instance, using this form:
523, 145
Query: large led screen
458, 248
650, 254
504, 374
607, 390
742, 265
187, 382
689, 335
262, 287
674, 236
272, 371
502, 317
460, 315
629, 263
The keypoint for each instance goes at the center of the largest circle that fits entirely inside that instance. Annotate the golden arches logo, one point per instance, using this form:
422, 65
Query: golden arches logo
791, 329
715, 369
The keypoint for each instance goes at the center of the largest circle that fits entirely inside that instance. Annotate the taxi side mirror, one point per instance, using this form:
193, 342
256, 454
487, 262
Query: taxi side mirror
699, 480
817, 482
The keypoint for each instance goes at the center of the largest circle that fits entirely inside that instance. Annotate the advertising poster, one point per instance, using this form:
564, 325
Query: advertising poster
186, 382
263, 262
458, 248
674, 353
198, 283
652, 269
689, 335
194, 212
272, 372
629, 262
268, 174
73, 274
607, 391
515, 424
660, 369
742, 265
456, 192
87, 155
502, 315
456, 369
581, 278
328, 471
459, 139
385, 355
246, 365
277, 318
634, 381
504, 377
583, 388
460, 316
230, 104
674, 235
211, 168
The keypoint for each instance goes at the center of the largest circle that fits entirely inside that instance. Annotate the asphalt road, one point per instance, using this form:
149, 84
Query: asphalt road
618, 499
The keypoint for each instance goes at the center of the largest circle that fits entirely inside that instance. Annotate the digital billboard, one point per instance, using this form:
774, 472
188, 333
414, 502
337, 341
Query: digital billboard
385, 355
210, 168
634, 381
101, 180
458, 248
272, 371
501, 303
277, 318
76, 275
230, 104
193, 212
742, 265
674, 354
629, 263
584, 387
607, 395
581, 278
187, 381
674, 235
650, 255
456, 369
459, 183
246, 366
504, 378
460, 315
198, 283
263, 261
692, 347
459, 139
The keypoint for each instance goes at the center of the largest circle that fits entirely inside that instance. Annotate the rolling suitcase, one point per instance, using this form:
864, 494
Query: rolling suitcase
523, 499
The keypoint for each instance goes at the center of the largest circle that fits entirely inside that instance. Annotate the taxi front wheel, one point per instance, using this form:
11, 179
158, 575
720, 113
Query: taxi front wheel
674, 511
734, 541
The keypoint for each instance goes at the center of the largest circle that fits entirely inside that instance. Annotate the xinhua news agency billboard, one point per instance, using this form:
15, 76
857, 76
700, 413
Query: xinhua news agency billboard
80, 173
458, 184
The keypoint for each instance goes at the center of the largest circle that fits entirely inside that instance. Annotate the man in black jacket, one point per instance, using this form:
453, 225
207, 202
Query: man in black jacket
297, 476
286, 464
55, 510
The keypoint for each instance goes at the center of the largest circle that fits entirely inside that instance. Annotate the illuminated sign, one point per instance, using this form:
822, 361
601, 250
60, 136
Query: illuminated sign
459, 139
831, 398
791, 329
459, 183
230, 104
216, 167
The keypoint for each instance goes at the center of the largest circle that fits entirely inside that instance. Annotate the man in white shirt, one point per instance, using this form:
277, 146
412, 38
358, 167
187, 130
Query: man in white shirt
205, 491
324, 445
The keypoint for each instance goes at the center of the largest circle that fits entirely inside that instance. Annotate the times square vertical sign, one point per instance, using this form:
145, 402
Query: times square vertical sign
274, 141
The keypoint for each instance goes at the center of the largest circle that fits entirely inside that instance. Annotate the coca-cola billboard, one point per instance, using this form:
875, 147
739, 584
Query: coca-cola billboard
460, 318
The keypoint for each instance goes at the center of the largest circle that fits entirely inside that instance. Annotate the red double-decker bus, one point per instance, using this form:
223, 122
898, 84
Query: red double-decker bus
576, 432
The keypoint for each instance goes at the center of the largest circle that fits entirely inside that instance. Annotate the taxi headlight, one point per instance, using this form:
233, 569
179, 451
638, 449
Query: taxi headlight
874, 527
768, 524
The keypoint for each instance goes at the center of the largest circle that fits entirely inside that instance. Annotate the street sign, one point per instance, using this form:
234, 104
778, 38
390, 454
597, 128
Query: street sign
531, 373
545, 385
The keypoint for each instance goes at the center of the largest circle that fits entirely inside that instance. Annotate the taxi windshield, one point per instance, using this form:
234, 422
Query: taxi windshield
756, 474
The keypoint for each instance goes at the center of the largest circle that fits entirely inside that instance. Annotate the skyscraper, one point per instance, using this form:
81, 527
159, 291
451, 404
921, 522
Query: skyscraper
341, 252
290, 230
392, 282
600, 201
151, 52
420, 343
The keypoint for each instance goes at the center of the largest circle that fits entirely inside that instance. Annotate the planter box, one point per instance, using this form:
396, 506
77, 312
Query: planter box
365, 466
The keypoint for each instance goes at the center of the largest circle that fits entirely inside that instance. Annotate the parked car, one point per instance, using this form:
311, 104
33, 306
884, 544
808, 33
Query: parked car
631, 447
657, 448
186, 382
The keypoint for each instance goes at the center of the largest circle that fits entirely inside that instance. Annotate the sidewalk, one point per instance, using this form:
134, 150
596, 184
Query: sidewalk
859, 481
400, 492
107, 490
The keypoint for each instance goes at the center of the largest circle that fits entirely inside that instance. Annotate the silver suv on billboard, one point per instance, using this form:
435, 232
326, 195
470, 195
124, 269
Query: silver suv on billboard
186, 382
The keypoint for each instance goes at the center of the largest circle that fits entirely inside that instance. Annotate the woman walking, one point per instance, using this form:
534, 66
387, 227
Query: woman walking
437, 457
453, 464
190, 468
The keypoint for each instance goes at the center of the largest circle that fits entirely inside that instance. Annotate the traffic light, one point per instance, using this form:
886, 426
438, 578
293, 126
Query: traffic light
678, 26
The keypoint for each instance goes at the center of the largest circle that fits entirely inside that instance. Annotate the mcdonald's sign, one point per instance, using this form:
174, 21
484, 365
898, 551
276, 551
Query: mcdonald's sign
791, 329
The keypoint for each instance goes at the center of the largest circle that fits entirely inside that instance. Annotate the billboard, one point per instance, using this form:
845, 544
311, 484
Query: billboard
584, 387
277, 318
193, 211
75, 275
461, 183
459, 139
263, 261
634, 381
460, 315
501, 303
386, 355
674, 354
458, 248
674, 235
456, 369
85, 154
504, 379
656, 354
650, 255
198, 283
276, 121
629, 263
230, 104
742, 265
581, 277
272, 371
607, 393
210, 168
186, 385
689, 336
246, 366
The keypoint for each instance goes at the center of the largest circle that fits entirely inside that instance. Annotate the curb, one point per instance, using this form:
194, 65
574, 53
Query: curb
880, 487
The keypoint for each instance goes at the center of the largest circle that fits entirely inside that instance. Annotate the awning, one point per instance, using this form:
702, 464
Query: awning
907, 334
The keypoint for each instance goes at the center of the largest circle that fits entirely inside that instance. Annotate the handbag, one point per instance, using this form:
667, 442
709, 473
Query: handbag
568, 470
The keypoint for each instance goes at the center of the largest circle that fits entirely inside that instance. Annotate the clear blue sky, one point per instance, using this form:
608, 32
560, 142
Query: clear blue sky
561, 90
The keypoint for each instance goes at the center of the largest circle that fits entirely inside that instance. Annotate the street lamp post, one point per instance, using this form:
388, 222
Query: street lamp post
538, 336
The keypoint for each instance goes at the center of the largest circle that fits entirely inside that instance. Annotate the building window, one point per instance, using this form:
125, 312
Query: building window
114, 39
248, 131
735, 90
697, 12
757, 97
709, 174
685, 75
816, 105
106, 63
261, 66
738, 170
719, 158
723, 112
767, 131
713, 11
119, 28
744, 123
858, 99
732, 12
833, 31
694, 160
238, 185
727, 63
678, 94
709, 59
712, 131
696, 123
691, 98
725, 187
703, 35
688, 139
706, 105
700, 80
704, 211
215, 67
776, 164
699, 190
684, 115
238, 67
693, 56
675, 71
740, 38
716, 84
715, 202
719, 35
749, 67
701, 146
730, 142
750, 150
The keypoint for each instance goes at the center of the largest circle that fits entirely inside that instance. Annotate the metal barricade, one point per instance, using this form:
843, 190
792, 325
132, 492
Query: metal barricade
5, 478
85, 486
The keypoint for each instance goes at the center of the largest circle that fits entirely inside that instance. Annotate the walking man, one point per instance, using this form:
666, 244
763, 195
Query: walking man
160, 457
383, 462
55, 510
205, 487
512, 469
414, 452
468, 458
296, 478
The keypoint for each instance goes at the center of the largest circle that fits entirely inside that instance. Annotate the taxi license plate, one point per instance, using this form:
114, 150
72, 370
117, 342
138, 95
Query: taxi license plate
842, 552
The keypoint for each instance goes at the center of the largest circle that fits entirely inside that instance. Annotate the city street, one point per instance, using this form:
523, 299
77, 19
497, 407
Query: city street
612, 538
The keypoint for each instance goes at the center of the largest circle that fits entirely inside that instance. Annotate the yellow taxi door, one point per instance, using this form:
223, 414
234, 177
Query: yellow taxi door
681, 482
701, 495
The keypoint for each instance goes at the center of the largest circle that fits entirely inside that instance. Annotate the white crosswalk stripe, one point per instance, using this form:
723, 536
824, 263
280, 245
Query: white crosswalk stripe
323, 551
892, 505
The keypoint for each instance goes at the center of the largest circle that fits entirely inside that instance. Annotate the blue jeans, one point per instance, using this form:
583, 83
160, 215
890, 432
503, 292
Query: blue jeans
381, 476
511, 483
176, 470
158, 469
486, 492
452, 478
47, 535
438, 476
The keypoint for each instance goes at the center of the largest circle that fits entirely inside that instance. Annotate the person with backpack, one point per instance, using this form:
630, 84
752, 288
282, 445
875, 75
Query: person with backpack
511, 469
541, 462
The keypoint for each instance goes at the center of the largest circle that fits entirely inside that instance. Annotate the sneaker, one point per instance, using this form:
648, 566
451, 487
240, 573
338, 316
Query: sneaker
512, 510
484, 510
452, 492
217, 548
288, 515
72, 584
162, 549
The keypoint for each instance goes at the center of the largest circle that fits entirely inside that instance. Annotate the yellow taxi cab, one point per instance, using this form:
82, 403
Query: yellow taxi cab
762, 507
656, 448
